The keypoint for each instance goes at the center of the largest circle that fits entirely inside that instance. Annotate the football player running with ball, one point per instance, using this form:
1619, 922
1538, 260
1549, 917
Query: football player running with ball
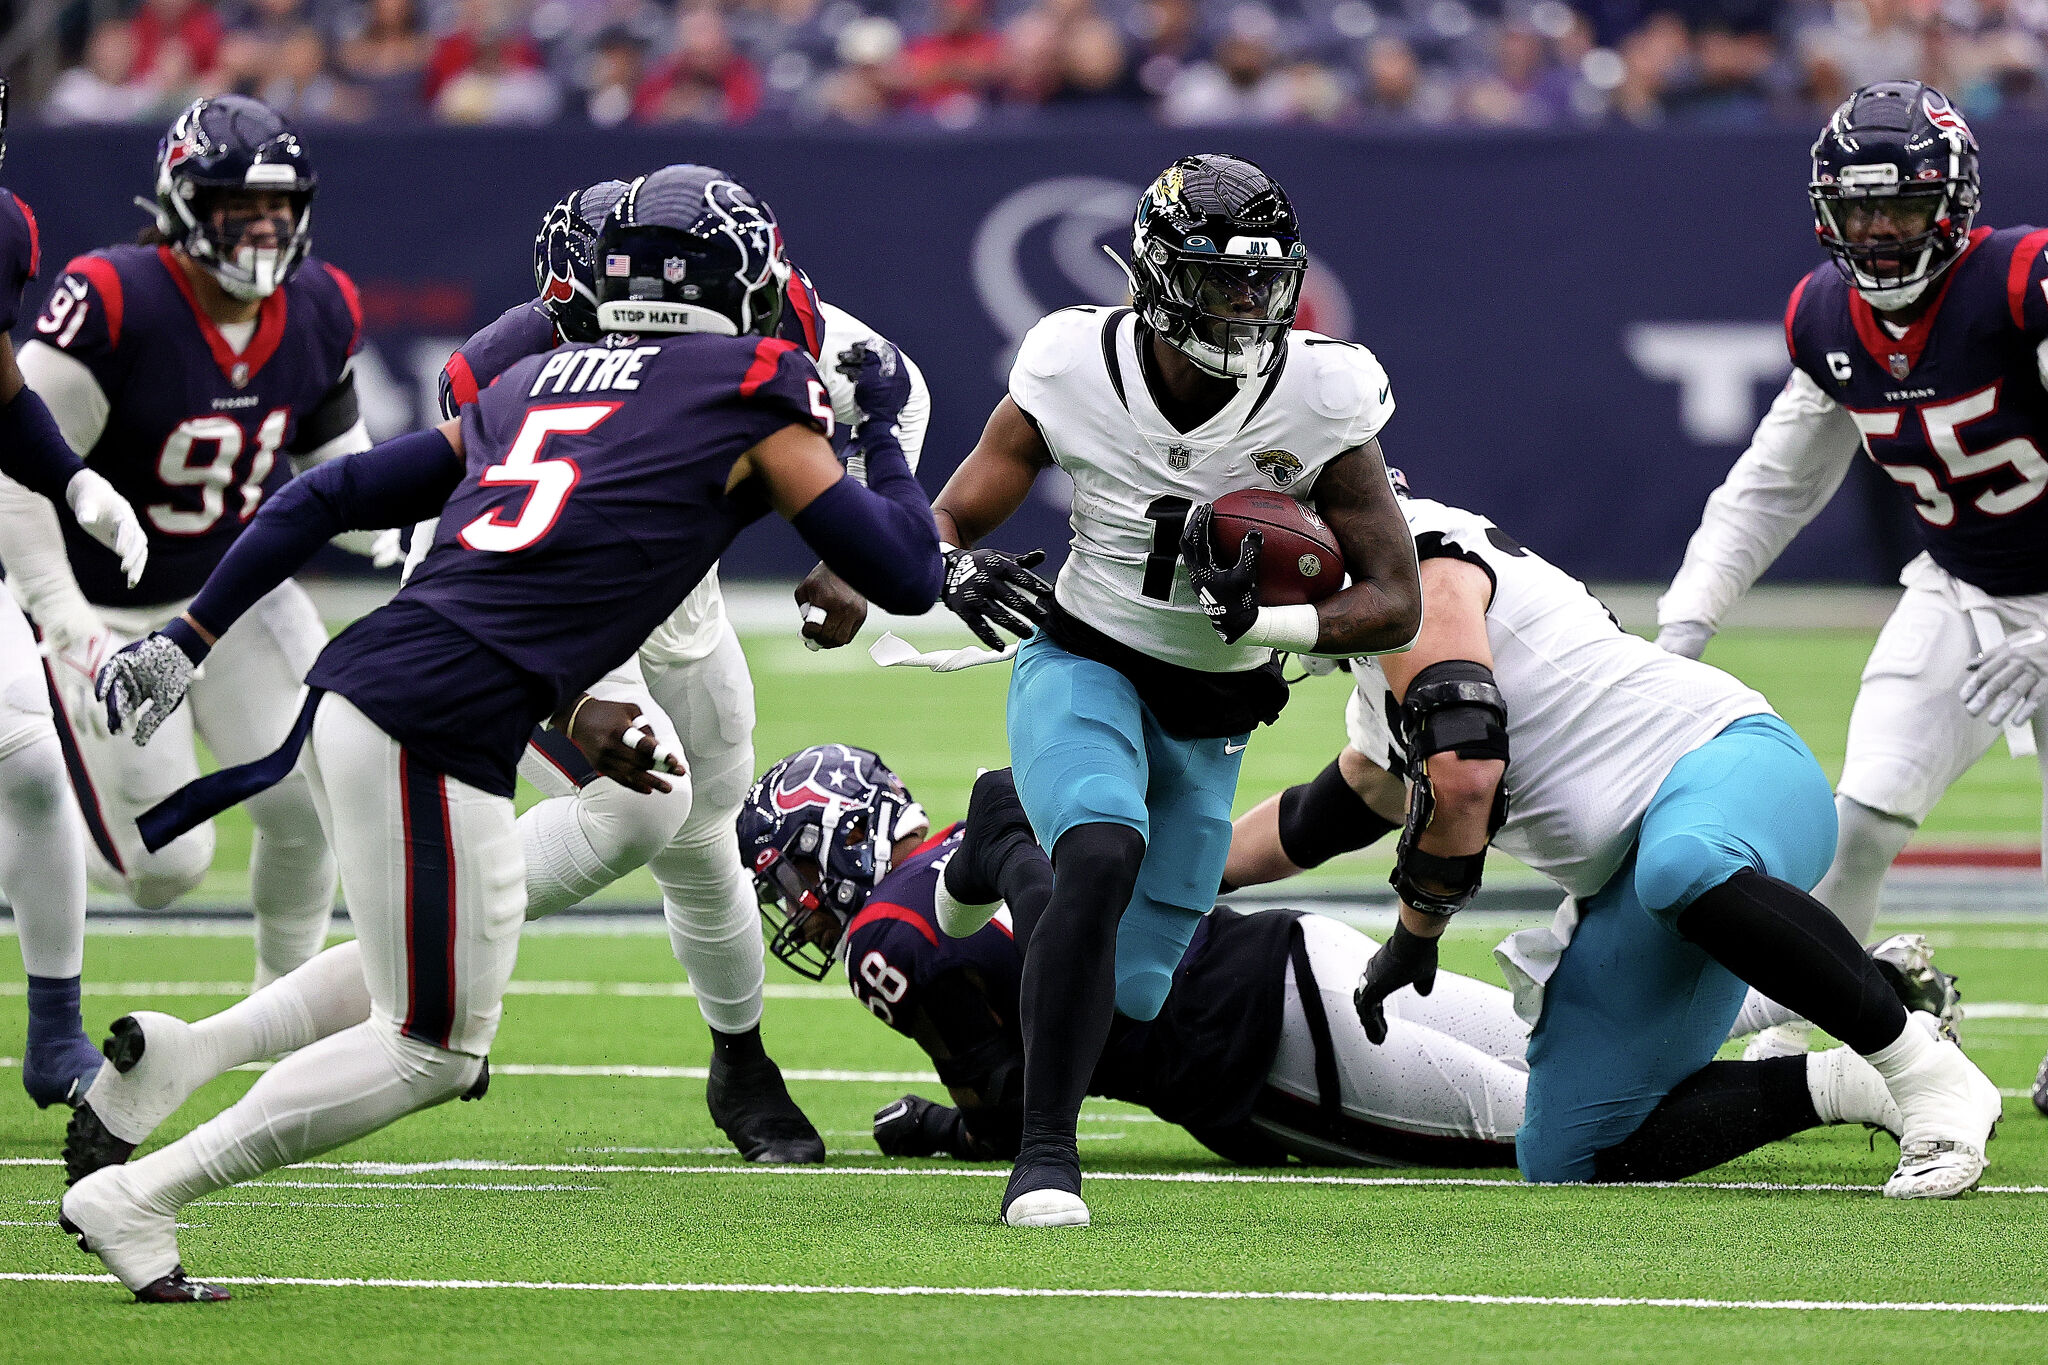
580, 498
688, 687
1925, 346
1132, 703
42, 838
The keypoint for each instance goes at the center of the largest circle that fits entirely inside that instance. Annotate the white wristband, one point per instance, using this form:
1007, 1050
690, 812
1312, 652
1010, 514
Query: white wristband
1293, 629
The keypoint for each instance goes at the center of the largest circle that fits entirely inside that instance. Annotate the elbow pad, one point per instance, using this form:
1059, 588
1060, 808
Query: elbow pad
1451, 707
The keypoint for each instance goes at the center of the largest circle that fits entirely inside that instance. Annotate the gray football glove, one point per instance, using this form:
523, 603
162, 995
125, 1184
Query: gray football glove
142, 684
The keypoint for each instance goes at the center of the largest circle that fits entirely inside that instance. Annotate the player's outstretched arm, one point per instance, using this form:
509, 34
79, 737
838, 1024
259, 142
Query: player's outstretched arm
1795, 462
1382, 609
394, 484
1454, 727
880, 539
985, 588
34, 453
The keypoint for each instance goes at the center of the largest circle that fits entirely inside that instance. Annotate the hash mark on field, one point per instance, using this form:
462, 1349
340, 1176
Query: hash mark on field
1013, 1292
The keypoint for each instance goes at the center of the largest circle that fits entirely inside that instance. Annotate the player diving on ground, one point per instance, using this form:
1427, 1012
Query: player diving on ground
1685, 820
1131, 704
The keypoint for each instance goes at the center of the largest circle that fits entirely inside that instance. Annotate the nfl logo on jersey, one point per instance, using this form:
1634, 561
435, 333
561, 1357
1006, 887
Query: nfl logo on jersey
1177, 458
1900, 365
672, 270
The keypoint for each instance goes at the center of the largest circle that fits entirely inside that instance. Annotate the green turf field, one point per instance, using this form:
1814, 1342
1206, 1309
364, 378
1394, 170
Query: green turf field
935, 730
558, 1186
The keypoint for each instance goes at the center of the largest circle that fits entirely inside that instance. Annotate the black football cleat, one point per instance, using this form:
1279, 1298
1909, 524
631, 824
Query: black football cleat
752, 1107
995, 821
1906, 961
88, 1143
177, 1287
2041, 1088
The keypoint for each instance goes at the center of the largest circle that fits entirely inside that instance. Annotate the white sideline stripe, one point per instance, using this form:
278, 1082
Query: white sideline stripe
774, 990
919, 1291
994, 1171
2004, 1009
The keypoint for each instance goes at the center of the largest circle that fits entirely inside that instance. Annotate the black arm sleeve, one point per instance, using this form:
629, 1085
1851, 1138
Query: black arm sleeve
407, 479
332, 416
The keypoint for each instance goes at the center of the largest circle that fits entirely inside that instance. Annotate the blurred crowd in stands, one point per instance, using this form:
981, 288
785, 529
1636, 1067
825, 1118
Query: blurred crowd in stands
962, 63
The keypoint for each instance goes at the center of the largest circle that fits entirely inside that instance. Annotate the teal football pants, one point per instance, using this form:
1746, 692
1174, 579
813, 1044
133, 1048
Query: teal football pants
1085, 749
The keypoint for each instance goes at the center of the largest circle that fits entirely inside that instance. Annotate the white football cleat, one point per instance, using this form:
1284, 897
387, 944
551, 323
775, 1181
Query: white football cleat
1948, 1108
1781, 1040
138, 1244
1046, 1209
152, 1068
1847, 1089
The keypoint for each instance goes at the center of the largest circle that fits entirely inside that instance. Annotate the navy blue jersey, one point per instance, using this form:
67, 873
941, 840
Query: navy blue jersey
502, 343
594, 499
896, 952
1954, 410
20, 255
1201, 1063
196, 434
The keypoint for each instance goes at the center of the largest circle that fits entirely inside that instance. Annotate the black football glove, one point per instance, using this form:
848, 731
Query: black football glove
1405, 959
881, 381
1230, 594
987, 588
914, 1126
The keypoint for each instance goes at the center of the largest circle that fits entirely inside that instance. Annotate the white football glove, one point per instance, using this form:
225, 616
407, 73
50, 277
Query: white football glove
2008, 681
106, 516
1687, 639
142, 684
387, 549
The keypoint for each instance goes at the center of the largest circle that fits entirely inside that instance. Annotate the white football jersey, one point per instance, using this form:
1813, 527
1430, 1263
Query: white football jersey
692, 630
1079, 378
1596, 716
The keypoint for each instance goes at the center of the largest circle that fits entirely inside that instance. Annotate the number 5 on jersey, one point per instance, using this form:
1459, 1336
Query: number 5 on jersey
550, 481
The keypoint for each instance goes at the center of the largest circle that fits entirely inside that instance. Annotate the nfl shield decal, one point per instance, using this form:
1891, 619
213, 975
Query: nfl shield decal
672, 269
1901, 365
1177, 457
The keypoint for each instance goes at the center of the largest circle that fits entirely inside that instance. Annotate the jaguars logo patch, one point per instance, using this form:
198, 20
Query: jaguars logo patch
1280, 466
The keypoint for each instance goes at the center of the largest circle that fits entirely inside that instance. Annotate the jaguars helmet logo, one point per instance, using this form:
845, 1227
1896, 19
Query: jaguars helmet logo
1281, 466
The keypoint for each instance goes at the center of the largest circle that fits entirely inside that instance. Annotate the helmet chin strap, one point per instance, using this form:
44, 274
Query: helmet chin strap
1892, 299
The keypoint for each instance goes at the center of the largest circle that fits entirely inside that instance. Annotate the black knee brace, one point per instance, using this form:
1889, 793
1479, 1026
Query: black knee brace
1324, 817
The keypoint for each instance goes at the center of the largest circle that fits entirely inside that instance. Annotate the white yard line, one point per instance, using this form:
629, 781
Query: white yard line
992, 1171
660, 989
915, 1291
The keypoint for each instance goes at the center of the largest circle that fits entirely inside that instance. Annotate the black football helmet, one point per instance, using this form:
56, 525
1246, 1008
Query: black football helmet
565, 258
224, 143
689, 249
1217, 263
818, 831
1896, 150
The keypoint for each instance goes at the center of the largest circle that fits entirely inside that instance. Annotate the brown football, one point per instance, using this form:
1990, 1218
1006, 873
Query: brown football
1298, 561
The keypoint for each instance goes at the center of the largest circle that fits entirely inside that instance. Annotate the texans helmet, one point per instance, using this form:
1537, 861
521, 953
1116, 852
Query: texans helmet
1217, 264
1898, 151
220, 145
565, 258
818, 831
689, 249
